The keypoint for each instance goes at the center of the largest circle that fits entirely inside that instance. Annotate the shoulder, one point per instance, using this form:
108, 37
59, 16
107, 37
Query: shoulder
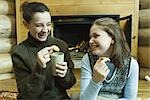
20, 48
134, 66
85, 57
85, 61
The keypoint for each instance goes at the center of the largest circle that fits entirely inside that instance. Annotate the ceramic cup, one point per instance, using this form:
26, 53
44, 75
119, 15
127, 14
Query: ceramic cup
56, 57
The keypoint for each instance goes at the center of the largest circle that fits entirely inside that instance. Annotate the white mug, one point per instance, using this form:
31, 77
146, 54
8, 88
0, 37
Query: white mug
56, 57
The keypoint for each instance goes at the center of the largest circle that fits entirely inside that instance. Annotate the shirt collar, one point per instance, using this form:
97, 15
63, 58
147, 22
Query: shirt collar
33, 42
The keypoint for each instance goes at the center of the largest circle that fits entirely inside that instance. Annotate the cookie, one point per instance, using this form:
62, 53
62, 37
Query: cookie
104, 59
56, 48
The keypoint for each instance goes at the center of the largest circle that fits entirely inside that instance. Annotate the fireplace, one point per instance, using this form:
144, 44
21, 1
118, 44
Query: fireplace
74, 29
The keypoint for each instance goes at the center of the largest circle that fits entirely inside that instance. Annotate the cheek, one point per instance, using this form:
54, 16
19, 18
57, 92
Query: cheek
33, 29
37, 30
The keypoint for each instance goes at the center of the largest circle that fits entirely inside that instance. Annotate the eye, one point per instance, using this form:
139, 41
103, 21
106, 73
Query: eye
38, 25
96, 35
49, 24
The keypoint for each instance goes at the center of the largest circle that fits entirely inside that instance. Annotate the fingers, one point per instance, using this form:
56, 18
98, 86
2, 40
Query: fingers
49, 50
101, 70
61, 69
56, 48
43, 56
107, 72
101, 65
104, 59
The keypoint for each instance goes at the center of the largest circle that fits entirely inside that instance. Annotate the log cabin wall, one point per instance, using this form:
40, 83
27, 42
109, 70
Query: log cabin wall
7, 37
87, 7
143, 54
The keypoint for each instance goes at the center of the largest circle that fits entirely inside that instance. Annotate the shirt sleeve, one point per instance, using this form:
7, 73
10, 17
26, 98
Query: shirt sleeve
88, 88
131, 87
30, 84
69, 80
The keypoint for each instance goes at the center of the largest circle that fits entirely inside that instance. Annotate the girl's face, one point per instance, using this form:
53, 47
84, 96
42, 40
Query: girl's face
39, 26
100, 41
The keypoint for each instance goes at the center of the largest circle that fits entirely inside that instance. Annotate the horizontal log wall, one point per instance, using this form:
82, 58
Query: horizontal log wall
5, 63
86, 7
144, 38
7, 7
7, 26
144, 4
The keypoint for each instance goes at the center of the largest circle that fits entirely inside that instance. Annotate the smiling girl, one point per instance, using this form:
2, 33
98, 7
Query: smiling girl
108, 71
32, 58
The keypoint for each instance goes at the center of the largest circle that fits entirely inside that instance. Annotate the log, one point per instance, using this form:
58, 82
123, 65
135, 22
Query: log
144, 18
9, 85
144, 37
144, 56
5, 63
7, 7
144, 47
144, 4
6, 44
7, 26
144, 72
7, 76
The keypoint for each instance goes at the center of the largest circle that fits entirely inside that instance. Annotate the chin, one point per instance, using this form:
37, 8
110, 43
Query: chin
42, 39
95, 53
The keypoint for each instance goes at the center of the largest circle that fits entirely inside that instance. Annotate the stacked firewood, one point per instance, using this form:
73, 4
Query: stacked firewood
7, 37
144, 39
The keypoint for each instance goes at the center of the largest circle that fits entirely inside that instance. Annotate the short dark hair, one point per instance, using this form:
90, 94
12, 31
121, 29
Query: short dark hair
29, 9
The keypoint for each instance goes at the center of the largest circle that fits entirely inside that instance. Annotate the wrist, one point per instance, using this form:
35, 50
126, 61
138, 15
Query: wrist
97, 80
96, 83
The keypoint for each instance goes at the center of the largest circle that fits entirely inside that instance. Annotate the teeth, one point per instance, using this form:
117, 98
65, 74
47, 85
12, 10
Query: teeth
41, 35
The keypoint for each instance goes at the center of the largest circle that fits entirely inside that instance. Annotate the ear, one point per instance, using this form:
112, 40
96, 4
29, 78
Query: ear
26, 24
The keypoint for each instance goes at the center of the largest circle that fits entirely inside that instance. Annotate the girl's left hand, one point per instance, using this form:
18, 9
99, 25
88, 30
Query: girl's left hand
61, 69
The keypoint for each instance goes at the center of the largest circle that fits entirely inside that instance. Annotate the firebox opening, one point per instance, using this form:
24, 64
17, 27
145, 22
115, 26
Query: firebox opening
73, 34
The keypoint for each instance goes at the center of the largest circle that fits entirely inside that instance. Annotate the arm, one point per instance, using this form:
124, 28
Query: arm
89, 88
131, 87
29, 83
69, 80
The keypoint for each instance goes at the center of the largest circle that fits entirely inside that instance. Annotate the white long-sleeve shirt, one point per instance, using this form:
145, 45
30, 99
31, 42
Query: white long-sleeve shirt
89, 89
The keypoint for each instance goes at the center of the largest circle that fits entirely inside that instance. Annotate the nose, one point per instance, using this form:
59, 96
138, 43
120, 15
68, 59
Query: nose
91, 40
45, 29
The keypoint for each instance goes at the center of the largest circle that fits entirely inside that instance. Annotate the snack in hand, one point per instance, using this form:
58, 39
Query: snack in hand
56, 48
104, 59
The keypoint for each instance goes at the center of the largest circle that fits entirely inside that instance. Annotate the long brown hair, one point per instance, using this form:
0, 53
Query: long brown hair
121, 49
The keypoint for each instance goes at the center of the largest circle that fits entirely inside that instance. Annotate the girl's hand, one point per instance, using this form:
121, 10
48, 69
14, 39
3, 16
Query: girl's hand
43, 56
100, 70
61, 69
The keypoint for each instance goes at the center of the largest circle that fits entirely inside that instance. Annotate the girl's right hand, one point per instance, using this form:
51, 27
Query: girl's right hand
100, 70
44, 55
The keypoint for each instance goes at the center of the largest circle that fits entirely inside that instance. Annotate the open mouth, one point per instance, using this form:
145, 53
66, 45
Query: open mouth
42, 35
94, 46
